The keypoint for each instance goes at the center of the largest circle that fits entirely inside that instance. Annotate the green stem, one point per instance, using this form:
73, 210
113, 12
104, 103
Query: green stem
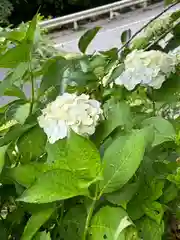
89, 216
140, 30
32, 88
154, 108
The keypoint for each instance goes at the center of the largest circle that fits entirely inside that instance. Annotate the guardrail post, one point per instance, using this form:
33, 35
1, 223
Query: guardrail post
75, 25
145, 4
111, 14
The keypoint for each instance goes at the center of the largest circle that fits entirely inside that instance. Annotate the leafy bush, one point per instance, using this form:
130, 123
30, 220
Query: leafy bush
6, 9
94, 153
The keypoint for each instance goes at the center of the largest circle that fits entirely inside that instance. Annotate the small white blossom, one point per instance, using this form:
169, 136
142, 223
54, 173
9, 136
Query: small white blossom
70, 111
146, 68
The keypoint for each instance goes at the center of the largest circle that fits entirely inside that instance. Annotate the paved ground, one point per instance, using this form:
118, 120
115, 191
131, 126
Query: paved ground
111, 31
108, 37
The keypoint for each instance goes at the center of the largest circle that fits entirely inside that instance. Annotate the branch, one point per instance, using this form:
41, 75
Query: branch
157, 16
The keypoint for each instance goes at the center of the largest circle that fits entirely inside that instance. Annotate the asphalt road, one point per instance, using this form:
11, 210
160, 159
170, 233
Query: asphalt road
111, 31
108, 37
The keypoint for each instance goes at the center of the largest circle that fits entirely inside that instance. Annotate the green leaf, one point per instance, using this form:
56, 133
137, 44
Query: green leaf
118, 115
86, 39
2, 156
14, 76
170, 193
124, 195
164, 131
55, 185
22, 113
31, 32
122, 158
74, 223
53, 71
3, 231
13, 35
149, 229
15, 91
36, 221
43, 236
75, 153
111, 53
154, 210
125, 36
175, 178
14, 133
15, 55
27, 174
170, 90
31, 145
103, 227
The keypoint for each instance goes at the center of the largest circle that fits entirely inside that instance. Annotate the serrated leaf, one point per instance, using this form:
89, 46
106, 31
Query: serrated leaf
2, 156
36, 221
22, 113
125, 222
164, 130
170, 90
122, 158
75, 153
43, 236
74, 223
170, 193
14, 91
118, 115
31, 31
27, 174
14, 133
125, 36
124, 195
15, 55
53, 72
11, 78
31, 145
149, 229
55, 185
86, 39
103, 227
13, 35
154, 210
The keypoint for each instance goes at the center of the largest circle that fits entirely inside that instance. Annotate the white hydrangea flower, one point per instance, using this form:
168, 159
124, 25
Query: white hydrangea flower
147, 68
176, 54
70, 111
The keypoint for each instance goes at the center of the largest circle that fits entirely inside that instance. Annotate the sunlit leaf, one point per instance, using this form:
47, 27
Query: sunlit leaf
15, 55
36, 221
103, 227
55, 185
164, 130
2, 156
123, 157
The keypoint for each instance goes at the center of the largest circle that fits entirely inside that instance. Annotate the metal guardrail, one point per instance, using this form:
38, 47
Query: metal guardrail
75, 17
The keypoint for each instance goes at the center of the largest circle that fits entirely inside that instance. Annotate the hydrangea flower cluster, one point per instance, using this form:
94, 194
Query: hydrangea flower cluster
158, 26
70, 111
175, 53
149, 68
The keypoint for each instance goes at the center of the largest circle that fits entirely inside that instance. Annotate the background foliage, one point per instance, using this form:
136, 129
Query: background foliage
16, 11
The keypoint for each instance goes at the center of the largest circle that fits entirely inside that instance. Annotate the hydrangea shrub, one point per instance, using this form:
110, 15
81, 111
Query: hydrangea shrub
93, 153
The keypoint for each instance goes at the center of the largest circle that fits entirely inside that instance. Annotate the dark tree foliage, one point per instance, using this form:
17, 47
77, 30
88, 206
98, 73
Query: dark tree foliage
16, 11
